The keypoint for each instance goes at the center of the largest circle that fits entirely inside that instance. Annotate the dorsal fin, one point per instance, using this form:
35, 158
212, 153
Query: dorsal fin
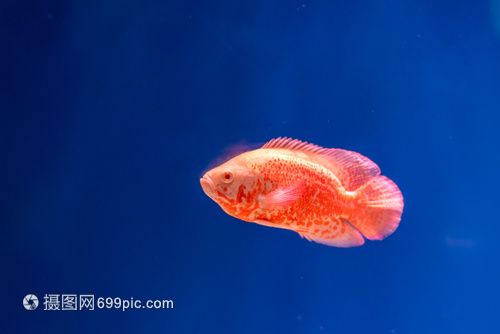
352, 169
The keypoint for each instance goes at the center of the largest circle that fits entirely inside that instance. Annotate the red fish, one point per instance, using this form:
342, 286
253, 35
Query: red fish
331, 196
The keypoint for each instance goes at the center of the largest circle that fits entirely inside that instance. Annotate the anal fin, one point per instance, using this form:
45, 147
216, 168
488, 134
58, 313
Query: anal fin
337, 234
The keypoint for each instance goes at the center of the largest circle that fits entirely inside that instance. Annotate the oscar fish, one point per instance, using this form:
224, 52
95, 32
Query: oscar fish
330, 196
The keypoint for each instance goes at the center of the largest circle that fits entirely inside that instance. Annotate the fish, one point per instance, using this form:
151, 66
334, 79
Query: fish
330, 196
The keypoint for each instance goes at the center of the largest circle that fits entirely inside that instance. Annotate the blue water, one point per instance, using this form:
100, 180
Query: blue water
111, 111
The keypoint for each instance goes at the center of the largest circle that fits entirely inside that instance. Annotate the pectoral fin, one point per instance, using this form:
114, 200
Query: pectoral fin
282, 196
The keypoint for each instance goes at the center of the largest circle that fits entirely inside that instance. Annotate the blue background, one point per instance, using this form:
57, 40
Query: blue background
111, 111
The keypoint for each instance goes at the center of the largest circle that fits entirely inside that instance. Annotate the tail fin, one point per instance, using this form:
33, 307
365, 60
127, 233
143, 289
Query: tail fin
380, 208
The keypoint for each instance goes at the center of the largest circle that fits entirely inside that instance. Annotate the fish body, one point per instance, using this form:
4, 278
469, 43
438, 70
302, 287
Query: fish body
331, 196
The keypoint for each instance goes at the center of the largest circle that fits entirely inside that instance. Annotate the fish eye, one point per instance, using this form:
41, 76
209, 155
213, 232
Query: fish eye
227, 177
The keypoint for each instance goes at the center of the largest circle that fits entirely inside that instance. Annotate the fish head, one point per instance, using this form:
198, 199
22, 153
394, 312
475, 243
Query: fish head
231, 185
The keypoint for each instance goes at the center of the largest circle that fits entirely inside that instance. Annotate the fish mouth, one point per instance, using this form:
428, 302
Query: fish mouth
208, 186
